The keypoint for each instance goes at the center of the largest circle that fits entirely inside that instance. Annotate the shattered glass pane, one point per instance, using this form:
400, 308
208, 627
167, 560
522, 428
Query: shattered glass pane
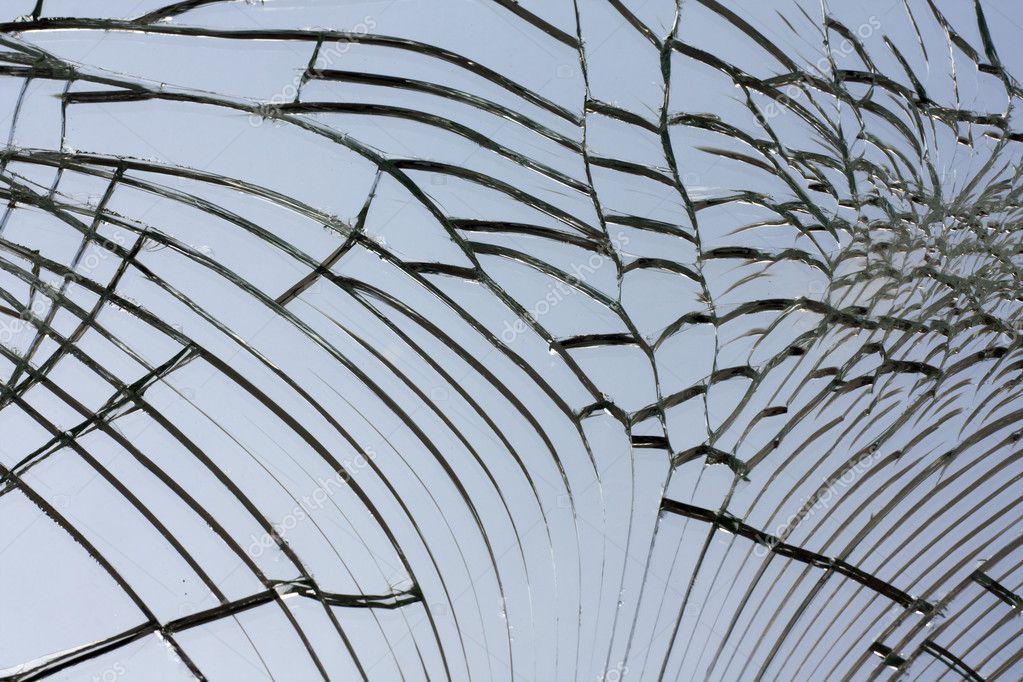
511, 339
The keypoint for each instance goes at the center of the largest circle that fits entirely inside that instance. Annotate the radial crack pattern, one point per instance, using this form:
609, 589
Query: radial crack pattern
511, 340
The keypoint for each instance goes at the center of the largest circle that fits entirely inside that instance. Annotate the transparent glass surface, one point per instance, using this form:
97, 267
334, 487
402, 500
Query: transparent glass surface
511, 340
